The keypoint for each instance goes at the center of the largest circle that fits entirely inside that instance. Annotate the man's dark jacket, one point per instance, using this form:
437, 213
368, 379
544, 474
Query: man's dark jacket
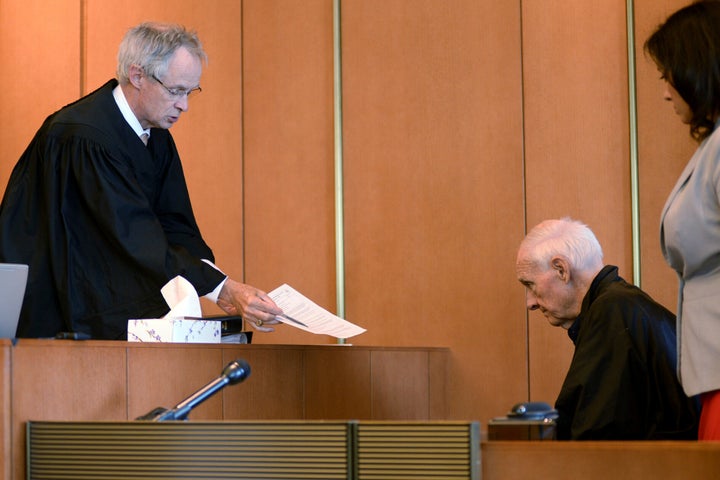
622, 382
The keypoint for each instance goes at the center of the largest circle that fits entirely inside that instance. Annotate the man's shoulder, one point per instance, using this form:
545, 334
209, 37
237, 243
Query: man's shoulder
94, 103
625, 307
626, 294
94, 117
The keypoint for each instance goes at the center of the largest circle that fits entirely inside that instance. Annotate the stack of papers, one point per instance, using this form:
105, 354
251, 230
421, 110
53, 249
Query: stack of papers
302, 313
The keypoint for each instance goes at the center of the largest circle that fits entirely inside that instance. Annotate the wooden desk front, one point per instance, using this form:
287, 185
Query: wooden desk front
110, 381
660, 460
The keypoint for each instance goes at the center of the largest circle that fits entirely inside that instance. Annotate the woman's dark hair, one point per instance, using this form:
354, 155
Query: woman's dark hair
686, 49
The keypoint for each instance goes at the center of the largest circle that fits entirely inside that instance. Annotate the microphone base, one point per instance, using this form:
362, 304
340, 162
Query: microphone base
153, 414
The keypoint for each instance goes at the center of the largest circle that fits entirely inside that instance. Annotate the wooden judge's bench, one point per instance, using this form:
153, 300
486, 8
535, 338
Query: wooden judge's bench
57, 388
118, 381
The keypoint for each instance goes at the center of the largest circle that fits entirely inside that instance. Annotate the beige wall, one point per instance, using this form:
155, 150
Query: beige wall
464, 123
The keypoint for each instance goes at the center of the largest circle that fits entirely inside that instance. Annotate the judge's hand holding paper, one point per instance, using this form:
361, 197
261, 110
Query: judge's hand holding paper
286, 305
254, 305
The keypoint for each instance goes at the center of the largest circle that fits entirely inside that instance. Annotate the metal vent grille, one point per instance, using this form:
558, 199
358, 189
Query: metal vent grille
193, 450
418, 451
276, 450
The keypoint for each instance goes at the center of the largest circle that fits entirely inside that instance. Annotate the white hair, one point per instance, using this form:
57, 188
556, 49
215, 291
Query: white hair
152, 45
567, 237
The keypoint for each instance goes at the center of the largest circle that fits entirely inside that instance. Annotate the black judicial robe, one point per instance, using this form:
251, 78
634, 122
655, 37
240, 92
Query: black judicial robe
622, 382
103, 222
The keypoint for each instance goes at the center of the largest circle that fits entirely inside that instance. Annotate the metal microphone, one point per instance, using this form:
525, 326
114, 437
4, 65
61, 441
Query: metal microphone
234, 373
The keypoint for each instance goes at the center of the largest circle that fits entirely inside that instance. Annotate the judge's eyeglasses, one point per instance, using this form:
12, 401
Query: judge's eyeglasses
178, 92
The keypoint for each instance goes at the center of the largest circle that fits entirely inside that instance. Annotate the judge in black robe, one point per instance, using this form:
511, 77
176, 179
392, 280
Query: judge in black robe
103, 222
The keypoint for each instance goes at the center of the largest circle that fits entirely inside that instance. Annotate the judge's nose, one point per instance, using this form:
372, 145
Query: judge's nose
182, 103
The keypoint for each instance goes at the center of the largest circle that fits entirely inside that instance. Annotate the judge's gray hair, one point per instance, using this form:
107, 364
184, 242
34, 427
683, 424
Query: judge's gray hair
151, 46
567, 237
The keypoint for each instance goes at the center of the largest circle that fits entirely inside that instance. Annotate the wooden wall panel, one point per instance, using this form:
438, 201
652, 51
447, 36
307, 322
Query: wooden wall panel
64, 380
163, 376
35, 80
397, 388
83, 375
576, 144
274, 390
433, 187
337, 390
664, 147
437, 382
599, 460
288, 151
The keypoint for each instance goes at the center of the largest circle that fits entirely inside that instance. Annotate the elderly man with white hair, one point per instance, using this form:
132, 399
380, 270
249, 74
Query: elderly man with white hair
621, 384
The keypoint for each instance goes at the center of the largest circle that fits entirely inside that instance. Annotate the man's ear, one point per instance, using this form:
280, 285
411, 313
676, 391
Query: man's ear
561, 267
136, 75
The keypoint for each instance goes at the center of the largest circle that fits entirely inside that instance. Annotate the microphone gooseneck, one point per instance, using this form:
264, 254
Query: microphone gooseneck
233, 373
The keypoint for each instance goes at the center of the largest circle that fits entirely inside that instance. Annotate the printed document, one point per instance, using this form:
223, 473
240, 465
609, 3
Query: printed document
302, 313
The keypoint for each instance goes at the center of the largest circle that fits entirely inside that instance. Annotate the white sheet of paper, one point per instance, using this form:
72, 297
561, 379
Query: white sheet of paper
317, 319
